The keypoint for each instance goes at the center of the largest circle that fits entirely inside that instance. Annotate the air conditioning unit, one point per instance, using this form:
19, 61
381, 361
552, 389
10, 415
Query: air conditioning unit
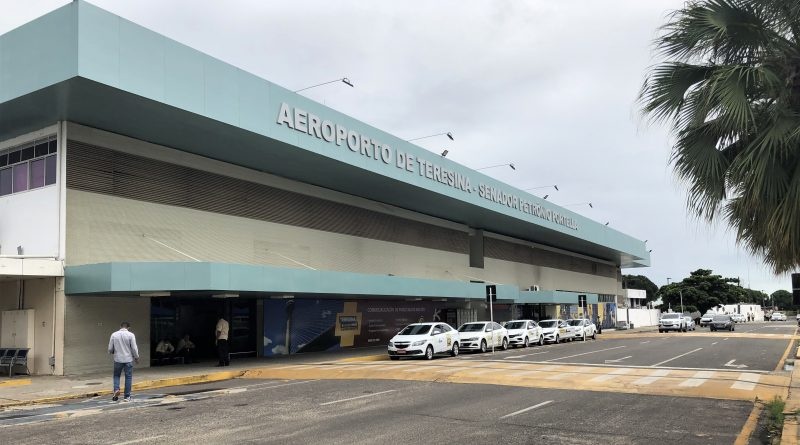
534, 288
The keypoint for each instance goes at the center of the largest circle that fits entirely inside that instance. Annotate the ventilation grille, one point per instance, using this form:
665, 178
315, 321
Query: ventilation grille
519, 253
101, 170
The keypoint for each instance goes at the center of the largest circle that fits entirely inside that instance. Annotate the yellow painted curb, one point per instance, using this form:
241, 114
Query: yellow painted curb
146, 384
789, 432
749, 425
17, 382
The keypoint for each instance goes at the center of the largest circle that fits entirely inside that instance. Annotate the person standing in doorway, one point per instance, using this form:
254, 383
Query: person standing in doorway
122, 345
222, 342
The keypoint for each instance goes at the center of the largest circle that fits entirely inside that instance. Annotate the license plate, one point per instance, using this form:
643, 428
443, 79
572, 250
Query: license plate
400, 351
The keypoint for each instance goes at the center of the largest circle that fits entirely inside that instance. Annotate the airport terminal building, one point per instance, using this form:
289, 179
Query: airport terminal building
143, 180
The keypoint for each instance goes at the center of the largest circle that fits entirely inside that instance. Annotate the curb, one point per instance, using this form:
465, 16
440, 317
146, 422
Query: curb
146, 384
790, 411
17, 382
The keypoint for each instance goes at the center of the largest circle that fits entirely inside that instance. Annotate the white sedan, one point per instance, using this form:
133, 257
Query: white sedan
523, 333
555, 331
584, 328
481, 335
424, 339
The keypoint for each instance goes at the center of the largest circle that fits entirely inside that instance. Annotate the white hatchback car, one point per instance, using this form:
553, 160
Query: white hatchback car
777, 316
523, 333
584, 328
481, 335
424, 339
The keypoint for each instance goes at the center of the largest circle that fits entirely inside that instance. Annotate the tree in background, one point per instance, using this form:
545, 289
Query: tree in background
704, 290
640, 282
781, 299
729, 86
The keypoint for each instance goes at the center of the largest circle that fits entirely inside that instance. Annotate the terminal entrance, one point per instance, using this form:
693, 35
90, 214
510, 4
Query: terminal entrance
174, 317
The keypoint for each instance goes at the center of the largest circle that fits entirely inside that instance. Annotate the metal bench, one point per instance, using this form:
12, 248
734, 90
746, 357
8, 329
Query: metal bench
12, 357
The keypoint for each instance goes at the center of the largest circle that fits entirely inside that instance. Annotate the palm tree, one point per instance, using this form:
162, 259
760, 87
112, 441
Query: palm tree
728, 83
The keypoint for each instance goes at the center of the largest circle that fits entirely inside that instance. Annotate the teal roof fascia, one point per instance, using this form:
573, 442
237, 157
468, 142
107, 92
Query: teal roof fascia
554, 297
134, 278
108, 54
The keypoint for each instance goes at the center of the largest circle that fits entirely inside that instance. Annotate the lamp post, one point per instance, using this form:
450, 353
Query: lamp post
555, 186
579, 204
510, 164
344, 80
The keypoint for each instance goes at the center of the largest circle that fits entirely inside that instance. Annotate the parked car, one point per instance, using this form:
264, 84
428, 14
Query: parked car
481, 335
553, 331
671, 321
706, 319
523, 333
722, 323
690, 326
777, 316
424, 339
738, 318
584, 328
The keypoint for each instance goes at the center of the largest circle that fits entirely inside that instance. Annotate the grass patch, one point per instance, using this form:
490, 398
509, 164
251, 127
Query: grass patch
773, 411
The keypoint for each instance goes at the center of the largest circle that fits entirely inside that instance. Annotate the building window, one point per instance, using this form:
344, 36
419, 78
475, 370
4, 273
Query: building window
28, 166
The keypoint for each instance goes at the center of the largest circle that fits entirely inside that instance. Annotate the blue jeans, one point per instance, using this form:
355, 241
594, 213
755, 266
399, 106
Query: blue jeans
128, 367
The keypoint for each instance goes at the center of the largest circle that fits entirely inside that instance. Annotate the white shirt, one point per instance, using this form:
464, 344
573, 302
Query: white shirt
123, 345
222, 328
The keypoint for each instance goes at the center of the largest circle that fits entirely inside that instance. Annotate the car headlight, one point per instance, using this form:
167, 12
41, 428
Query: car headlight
418, 343
391, 344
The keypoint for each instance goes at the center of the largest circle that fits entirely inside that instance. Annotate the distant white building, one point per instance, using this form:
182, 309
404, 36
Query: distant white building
633, 298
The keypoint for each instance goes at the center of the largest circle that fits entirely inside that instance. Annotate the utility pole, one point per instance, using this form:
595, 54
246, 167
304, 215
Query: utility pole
680, 292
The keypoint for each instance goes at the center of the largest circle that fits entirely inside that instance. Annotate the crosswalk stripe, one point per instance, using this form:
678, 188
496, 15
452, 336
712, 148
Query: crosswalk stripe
746, 381
654, 376
698, 379
521, 373
611, 375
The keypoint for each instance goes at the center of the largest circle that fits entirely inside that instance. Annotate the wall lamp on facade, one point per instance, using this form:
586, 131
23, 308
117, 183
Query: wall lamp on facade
607, 222
510, 164
344, 80
444, 153
448, 134
545, 196
226, 295
579, 204
542, 187
154, 294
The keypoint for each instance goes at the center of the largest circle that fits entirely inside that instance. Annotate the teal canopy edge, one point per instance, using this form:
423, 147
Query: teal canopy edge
136, 278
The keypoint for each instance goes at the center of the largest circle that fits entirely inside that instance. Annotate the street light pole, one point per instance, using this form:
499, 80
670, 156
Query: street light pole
681, 294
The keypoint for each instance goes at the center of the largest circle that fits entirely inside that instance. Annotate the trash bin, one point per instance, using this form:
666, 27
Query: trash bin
630, 325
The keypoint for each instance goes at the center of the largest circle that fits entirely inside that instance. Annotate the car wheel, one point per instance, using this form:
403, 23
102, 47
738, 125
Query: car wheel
660, 331
454, 351
505, 344
712, 329
584, 336
525, 343
393, 357
541, 340
483, 345
429, 353
594, 335
731, 328
557, 339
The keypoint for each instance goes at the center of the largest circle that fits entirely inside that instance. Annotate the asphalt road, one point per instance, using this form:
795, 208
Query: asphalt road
375, 411
701, 349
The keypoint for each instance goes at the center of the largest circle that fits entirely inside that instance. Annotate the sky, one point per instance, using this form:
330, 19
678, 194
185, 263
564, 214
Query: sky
549, 86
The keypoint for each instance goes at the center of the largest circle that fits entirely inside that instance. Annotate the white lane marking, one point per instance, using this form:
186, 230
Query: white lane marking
698, 379
712, 344
619, 359
482, 371
730, 364
527, 355
453, 369
725, 338
522, 373
144, 439
585, 353
643, 342
654, 376
746, 381
611, 375
526, 409
358, 397
270, 385
674, 358
561, 373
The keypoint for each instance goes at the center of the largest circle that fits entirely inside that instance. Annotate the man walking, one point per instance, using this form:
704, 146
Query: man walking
222, 342
122, 345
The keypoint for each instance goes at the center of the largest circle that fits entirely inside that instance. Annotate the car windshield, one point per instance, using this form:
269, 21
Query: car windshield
575, 322
670, 316
721, 318
471, 327
515, 325
548, 323
416, 329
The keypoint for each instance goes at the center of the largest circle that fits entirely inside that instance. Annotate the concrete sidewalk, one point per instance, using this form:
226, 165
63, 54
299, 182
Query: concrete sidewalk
24, 390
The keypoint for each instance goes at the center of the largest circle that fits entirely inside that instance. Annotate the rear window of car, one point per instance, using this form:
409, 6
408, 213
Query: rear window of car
471, 327
670, 316
721, 318
416, 329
